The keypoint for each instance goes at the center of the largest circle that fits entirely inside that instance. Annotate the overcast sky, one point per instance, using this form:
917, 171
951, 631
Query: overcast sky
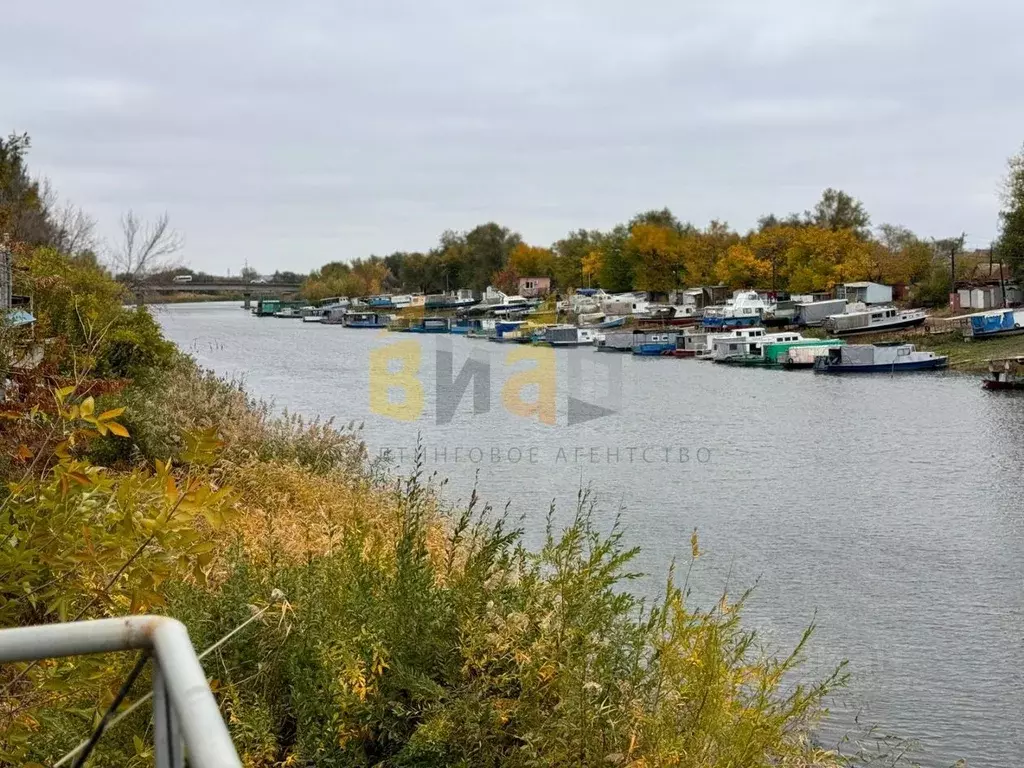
293, 133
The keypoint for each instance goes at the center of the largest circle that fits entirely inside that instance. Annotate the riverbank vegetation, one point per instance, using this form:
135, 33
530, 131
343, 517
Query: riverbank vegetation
393, 630
410, 633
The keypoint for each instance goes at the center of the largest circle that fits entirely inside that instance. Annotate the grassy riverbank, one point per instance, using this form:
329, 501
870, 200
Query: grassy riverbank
403, 632
969, 356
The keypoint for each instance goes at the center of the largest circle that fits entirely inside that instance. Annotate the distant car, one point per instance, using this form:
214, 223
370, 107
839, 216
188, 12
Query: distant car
258, 281
183, 278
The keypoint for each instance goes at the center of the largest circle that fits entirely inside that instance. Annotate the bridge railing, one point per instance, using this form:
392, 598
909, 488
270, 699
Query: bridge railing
184, 711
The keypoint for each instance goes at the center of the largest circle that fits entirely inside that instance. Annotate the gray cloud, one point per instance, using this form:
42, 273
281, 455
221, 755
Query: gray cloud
292, 135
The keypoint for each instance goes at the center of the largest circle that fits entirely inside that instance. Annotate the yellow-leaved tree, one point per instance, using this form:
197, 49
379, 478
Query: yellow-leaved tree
532, 261
591, 266
741, 268
819, 259
704, 248
657, 255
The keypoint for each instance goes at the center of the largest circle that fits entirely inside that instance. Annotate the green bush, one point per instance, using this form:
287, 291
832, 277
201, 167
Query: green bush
481, 653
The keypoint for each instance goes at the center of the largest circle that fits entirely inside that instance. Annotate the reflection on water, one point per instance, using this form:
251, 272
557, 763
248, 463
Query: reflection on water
886, 509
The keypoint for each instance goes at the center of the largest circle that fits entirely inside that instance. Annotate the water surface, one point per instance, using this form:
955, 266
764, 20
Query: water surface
886, 509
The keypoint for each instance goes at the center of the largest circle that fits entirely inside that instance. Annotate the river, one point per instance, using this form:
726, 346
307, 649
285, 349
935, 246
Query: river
888, 510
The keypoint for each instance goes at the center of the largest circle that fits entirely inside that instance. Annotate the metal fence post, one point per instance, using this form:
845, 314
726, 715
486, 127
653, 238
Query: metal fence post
167, 744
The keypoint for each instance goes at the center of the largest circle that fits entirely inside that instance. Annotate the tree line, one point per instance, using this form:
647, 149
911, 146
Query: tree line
655, 251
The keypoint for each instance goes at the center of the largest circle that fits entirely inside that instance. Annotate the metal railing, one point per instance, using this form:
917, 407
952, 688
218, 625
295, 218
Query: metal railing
185, 714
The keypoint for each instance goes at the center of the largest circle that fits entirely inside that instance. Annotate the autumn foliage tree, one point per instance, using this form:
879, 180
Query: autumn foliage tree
657, 255
741, 268
532, 261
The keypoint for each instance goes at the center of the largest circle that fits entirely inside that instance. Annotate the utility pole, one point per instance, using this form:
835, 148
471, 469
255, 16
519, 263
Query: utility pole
954, 246
1002, 283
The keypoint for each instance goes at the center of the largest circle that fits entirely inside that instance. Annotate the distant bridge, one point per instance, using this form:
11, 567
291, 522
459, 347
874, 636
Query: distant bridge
248, 290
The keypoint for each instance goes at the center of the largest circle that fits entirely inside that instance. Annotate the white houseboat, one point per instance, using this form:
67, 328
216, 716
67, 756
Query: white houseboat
874, 320
744, 310
737, 335
312, 314
752, 346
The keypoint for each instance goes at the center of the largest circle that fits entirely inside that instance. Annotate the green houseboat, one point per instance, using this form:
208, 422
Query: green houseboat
267, 307
775, 354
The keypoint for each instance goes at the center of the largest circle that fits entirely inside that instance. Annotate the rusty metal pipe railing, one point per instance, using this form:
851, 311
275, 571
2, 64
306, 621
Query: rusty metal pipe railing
179, 678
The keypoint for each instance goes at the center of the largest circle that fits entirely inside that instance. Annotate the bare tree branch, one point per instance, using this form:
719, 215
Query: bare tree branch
144, 247
75, 230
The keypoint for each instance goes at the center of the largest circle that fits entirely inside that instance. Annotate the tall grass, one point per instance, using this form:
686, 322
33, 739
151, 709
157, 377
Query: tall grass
425, 637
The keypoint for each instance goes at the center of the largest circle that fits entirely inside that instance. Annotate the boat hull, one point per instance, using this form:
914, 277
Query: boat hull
979, 335
753, 361
888, 327
935, 364
654, 350
728, 323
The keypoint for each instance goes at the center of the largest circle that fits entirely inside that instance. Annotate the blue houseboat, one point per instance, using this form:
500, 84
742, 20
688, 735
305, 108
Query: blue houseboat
1001, 322
464, 325
655, 344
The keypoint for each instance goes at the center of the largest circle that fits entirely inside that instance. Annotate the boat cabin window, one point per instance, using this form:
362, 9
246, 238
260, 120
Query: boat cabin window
891, 313
877, 315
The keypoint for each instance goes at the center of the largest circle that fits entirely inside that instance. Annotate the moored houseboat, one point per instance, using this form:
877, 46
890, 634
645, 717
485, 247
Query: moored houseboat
510, 332
878, 358
366, 320
739, 350
1005, 373
999, 322
430, 325
461, 326
266, 307
668, 315
874, 320
481, 327
334, 315
567, 336
616, 341
312, 314
811, 314
513, 305
776, 352
745, 309
690, 343
654, 343
798, 358
736, 335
